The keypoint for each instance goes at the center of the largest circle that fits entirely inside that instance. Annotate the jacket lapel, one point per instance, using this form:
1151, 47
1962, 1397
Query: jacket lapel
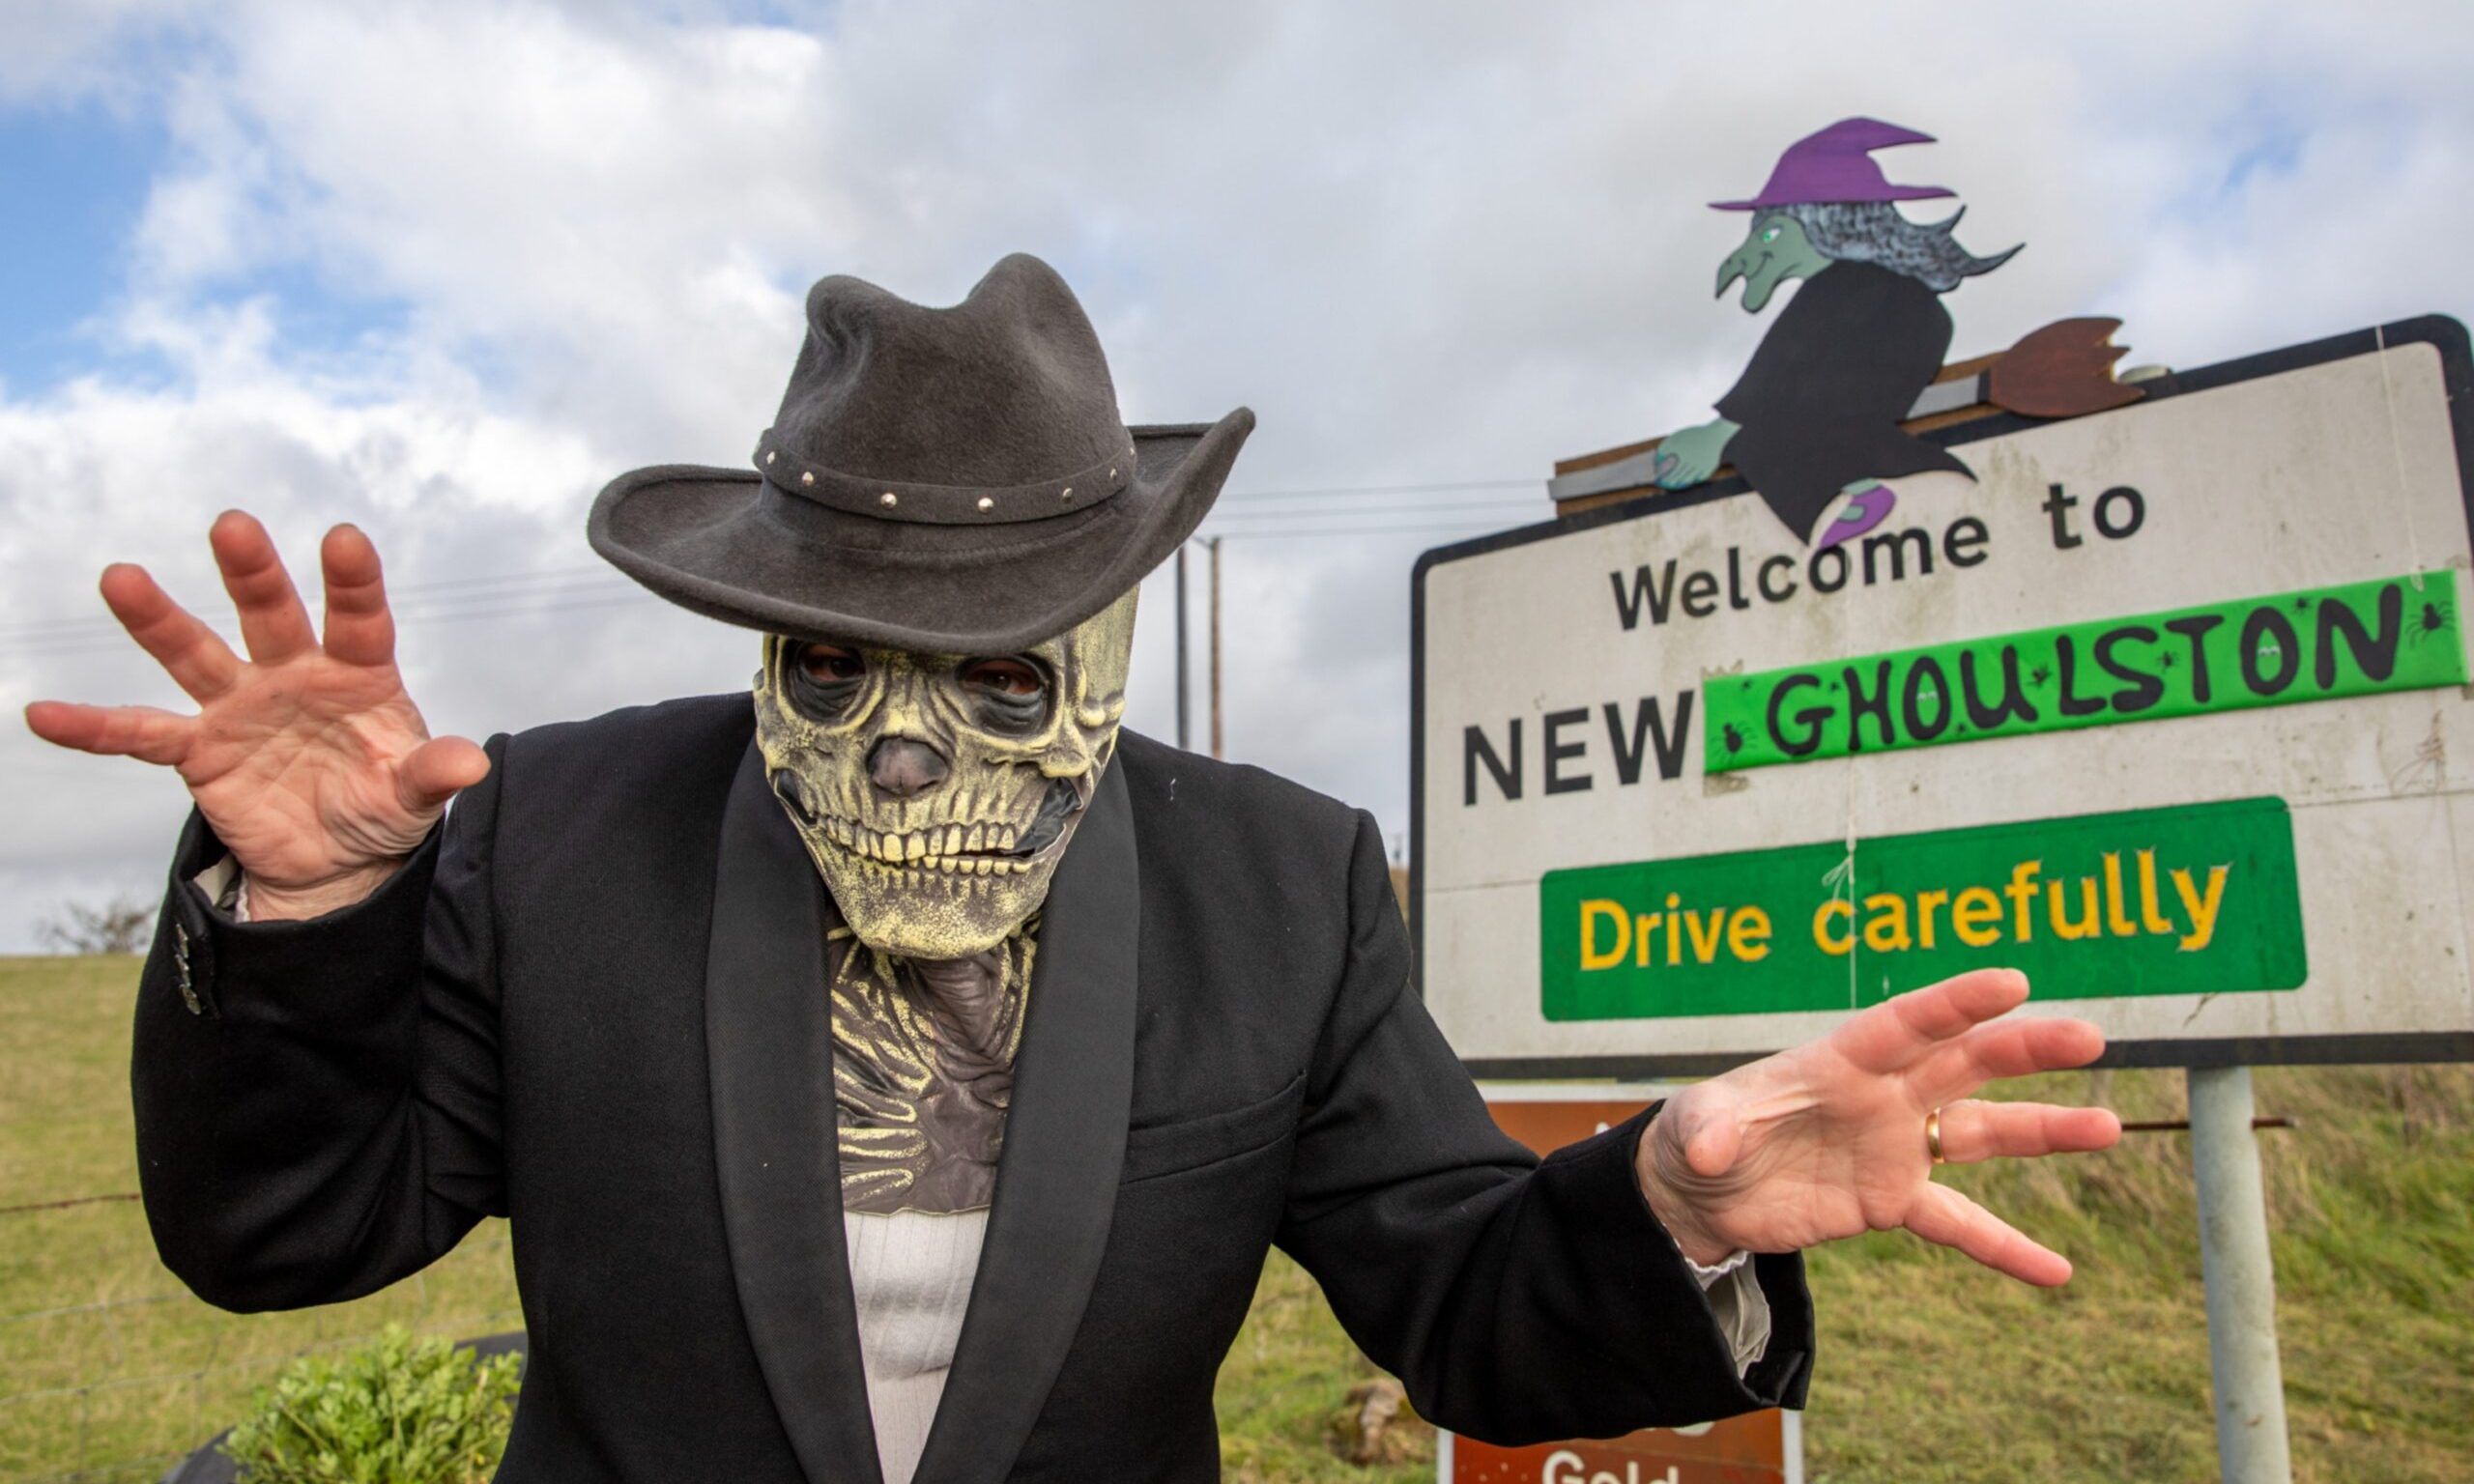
768, 1034
1065, 1132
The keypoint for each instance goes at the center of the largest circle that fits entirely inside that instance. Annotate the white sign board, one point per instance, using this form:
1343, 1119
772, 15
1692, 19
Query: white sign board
2161, 706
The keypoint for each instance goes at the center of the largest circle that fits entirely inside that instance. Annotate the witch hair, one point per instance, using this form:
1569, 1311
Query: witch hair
1874, 232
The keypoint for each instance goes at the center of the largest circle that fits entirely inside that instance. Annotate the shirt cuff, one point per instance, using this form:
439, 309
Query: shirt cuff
1737, 1303
228, 885
1706, 1278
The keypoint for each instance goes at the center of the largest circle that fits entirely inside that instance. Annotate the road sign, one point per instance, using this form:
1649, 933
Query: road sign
1762, 1447
2160, 706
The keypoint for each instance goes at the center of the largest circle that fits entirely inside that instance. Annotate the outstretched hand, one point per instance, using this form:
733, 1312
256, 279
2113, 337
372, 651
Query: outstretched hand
1829, 1140
309, 758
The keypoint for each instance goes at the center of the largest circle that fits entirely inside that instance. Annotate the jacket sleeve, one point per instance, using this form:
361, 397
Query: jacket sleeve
317, 1103
1518, 1302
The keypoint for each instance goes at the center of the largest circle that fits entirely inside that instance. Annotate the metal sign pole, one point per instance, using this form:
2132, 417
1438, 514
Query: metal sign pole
2250, 1445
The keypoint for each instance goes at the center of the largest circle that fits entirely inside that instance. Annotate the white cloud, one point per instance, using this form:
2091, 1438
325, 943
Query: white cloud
1428, 241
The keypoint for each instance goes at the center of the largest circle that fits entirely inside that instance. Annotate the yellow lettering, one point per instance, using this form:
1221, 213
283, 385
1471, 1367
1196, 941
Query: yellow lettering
2203, 911
2064, 926
1972, 916
2117, 921
1748, 934
2148, 914
1885, 928
1674, 930
1925, 902
2022, 891
1645, 936
1591, 912
1706, 950
1842, 945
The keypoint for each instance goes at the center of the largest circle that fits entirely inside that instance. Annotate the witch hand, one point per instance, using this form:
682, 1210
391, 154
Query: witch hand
309, 760
1690, 456
1829, 1140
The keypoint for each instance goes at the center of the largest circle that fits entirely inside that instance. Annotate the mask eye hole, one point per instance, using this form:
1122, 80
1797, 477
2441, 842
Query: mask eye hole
825, 678
1009, 694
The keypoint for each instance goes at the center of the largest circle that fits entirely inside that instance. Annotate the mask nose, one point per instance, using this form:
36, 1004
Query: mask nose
902, 766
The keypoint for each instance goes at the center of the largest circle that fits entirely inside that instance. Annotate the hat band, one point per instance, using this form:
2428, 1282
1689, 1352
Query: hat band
943, 504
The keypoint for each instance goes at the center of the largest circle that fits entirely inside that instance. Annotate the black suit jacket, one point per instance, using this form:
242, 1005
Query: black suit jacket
593, 1003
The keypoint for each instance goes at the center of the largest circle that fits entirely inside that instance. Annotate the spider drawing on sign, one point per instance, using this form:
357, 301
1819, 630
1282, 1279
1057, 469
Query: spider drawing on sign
2432, 619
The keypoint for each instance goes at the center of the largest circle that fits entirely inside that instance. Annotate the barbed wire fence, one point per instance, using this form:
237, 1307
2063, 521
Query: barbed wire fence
98, 1420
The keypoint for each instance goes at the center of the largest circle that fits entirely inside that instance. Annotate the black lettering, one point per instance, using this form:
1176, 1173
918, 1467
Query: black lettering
2267, 623
1628, 605
1807, 741
1649, 724
2059, 506
2014, 702
1735, 580
2065, 663
1557, 750
1476, 749
2128, 526
1876, 705
2376, 658
1926, 686
1897, 547
2193, 629
1812, 570
2139, 689
1701, 594
1762, 579
1969, 532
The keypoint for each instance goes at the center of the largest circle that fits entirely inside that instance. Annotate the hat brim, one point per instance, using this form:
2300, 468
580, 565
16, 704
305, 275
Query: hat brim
727, 544
1869, 193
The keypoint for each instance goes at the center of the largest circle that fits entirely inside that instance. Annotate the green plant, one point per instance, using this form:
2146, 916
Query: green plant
396, 1411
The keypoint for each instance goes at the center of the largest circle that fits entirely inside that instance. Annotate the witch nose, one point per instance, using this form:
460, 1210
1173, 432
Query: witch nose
902, 766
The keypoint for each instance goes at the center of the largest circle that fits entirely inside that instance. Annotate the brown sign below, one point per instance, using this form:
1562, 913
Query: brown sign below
1750, 1450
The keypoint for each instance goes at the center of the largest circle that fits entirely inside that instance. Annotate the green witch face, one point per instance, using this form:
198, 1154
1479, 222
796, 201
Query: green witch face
1774, 250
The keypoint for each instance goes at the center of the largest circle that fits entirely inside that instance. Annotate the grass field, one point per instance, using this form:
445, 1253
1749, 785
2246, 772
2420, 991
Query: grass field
1928, 1370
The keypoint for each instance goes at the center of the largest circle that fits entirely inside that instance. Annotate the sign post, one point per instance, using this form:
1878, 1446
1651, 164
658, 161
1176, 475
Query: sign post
2251, 1443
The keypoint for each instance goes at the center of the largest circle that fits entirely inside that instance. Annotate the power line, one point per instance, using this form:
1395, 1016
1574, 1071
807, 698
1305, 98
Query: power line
1431, 487
565, 590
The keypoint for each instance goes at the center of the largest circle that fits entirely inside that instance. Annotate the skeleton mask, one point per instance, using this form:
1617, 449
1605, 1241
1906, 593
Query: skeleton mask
937, 793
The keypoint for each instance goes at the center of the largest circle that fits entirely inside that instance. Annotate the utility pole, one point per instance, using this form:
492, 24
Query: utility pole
1185, 727
1213, 544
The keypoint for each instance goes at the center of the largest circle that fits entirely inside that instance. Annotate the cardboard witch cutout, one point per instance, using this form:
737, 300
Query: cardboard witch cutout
1816, 415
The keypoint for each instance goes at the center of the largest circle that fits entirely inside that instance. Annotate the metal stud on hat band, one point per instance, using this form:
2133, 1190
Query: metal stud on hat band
945, 505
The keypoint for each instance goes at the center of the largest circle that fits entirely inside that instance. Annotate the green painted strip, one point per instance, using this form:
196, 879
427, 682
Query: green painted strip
2398, 634
2200, 900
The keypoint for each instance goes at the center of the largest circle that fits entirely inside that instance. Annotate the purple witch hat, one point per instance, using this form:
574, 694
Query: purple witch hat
1836, 165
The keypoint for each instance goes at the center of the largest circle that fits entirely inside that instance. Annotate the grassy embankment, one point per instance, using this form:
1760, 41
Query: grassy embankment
1929, 1371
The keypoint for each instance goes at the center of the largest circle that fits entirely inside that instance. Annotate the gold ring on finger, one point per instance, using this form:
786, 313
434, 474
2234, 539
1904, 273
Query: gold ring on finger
1932, 1136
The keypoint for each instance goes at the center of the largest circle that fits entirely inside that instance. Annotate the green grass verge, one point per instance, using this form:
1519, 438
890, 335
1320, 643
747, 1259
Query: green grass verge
1930, 1370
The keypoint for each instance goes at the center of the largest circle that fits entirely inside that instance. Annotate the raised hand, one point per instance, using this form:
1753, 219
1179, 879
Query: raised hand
1829, 1140
309, 758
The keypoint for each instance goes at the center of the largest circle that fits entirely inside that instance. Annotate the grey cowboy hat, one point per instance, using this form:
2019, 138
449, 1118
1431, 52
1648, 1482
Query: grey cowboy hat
952, 481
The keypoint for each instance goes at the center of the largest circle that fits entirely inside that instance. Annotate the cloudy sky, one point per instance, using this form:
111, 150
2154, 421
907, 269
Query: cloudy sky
444, 270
